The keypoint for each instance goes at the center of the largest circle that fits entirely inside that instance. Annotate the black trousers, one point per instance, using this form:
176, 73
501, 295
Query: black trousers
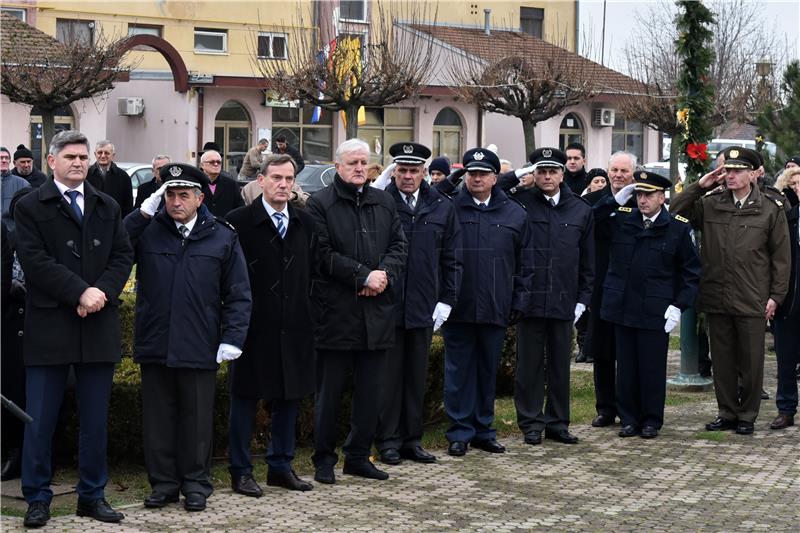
641, 375
333, 367
403, 394
178, 423
543, 346
603, 349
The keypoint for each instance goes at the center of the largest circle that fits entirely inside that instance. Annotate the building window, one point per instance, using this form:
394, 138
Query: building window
571, 131
272, 46
447, 134
353, 10
64, 120
383, 127
531, 20
145, 29
627, 135
210, 41
75, 31
21, 14
309, 132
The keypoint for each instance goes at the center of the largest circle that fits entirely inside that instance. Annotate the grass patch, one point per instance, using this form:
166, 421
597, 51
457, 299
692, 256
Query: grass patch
714, 436
674, 342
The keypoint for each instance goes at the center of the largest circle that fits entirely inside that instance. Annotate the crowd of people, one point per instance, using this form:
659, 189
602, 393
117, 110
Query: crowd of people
311, 294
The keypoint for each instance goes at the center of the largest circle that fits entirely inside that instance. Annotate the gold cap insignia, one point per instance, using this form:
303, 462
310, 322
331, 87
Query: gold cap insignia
643, 176
734, 153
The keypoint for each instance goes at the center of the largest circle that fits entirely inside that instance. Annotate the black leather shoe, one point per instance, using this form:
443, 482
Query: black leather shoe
601, 421
581, 357
324, 474
247, 486
628, 431
745, 428
156, 500
489, 445
364, 468
99, 510
589, 359
720, 424
194, 501
562, 435
391, 456
533, 438
649, 432
37, 515
12, 467
288, 480
457, 448
764, 395
417, 454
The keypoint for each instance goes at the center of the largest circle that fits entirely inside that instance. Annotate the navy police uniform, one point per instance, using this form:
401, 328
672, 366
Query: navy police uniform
494, 235
652, 265
432, 271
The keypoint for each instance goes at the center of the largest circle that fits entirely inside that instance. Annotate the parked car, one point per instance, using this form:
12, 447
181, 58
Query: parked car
140, 174
662, 168
315, 177
718, 145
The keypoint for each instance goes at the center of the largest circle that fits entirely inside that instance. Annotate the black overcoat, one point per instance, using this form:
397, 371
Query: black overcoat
227, 196
61, 258
278, 360
116, 183
357, 234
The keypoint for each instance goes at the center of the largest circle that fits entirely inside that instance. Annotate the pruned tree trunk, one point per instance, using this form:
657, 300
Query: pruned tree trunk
48, 130
674, 161
528, 129
351, 116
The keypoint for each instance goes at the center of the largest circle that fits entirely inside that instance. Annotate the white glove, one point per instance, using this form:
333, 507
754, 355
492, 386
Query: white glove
227, 352
625, 194
383, 181
673, 316
150, 206
524, 170
579, 309
440, 315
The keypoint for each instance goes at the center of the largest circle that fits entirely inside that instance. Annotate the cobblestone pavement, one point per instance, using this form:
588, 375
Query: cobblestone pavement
681, 481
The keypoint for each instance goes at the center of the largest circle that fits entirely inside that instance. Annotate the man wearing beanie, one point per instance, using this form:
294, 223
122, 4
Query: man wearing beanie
23, 167
11, 183
439, 169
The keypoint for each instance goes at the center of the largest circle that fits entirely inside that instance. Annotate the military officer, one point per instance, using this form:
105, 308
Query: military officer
652, 276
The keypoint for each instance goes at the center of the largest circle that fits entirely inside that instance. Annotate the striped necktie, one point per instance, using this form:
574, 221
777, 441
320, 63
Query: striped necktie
279, 224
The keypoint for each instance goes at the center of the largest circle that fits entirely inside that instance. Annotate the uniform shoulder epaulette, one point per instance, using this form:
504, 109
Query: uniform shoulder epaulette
625, 209
224, 223
716, 190
774, 190
679, 218
516, 201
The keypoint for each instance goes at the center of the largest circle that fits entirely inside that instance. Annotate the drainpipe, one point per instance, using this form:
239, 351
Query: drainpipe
200, 108
487, 21
479, 133
577, 26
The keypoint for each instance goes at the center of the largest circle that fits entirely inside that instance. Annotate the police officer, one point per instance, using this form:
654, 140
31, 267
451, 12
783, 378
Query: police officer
652, 276
562, 260
494, 234
192, 311
425, 294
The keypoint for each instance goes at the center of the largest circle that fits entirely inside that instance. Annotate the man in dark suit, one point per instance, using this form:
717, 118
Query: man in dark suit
147, 189
561, 227
279, 244
76, 257
653, 275
600, 335
192, 310
425, 296
362, 254
107, 177
222, 193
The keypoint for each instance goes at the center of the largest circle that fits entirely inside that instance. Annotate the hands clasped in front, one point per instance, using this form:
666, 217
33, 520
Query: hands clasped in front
91, 301
377, 281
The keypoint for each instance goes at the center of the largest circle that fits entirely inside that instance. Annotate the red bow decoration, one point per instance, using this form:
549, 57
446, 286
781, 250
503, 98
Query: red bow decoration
697, 151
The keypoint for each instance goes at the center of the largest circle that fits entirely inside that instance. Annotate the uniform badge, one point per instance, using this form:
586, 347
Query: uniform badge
408, 149
681, 219
643, 176
175, 171
547, 152
734, 154
478, 156
625, 209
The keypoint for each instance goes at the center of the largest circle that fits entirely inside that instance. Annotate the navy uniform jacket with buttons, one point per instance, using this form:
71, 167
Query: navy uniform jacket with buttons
493, 240
432, 269
648, 270
192, 294
562, 253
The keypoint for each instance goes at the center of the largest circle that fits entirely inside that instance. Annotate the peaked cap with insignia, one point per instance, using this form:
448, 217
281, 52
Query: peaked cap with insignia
481, 159
409, 153
181, 175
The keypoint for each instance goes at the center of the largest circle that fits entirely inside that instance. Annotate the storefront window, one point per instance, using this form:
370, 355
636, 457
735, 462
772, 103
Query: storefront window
314, 138
384, 127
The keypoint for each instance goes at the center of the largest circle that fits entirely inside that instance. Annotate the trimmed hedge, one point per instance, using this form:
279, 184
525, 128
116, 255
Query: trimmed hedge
125, 410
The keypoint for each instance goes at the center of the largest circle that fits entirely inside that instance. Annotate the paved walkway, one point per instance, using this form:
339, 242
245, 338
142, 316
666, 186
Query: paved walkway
678, 482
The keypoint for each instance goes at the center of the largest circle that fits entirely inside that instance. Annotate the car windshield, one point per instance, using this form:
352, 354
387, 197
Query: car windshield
315, 177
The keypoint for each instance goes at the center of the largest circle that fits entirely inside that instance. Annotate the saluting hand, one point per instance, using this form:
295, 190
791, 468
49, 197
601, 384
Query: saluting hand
712, 178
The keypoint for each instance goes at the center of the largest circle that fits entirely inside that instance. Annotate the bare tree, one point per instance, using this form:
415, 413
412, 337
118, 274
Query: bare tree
348, 71
522, 76
39, 71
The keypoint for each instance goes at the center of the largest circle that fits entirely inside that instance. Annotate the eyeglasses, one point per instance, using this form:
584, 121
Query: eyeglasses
215, 162
4, 158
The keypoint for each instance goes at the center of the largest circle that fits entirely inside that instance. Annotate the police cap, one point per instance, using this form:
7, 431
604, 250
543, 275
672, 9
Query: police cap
548, 157
481, 159
740, 157
650, 181
409, 153
181, 175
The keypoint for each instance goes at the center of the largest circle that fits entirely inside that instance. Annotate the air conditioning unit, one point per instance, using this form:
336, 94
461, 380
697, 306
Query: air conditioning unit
603, 117
131, 106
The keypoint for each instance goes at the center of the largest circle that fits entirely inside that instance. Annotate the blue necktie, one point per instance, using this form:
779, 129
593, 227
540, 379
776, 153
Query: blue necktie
73, 202
279, 224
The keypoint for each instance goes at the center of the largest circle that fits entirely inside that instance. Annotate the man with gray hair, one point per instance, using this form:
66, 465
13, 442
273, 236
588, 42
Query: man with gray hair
252, 161
107, 177
600, 341
362, 254
76, 257
146, 189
